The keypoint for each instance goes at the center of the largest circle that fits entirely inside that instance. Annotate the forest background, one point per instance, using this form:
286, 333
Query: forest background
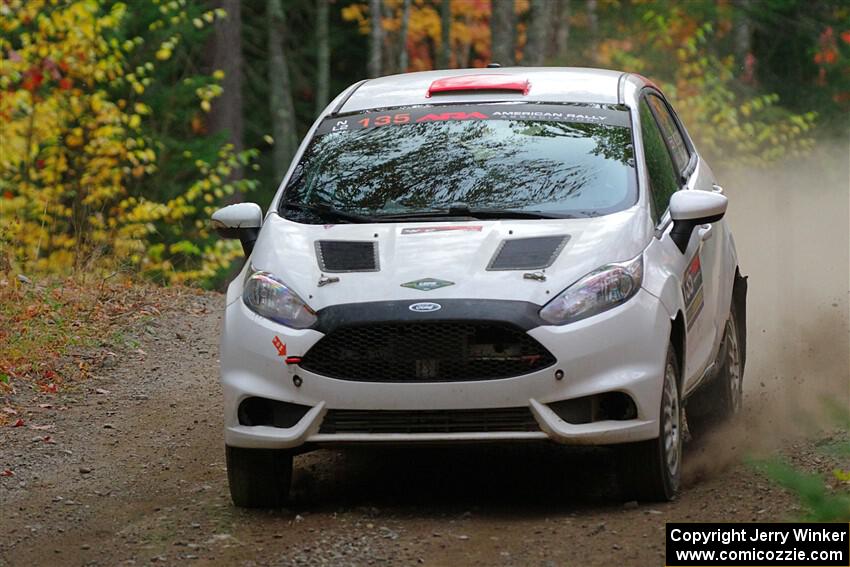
124, 125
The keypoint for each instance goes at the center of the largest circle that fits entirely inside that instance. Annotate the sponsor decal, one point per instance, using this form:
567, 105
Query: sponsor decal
525, 115
425, 307
279, 345
452, 116
430, 229
427, 284
692, 290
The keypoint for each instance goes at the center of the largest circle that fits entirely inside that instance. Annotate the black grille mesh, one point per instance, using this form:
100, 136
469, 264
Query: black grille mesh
438, 351
429, 421
534, 253
347, 256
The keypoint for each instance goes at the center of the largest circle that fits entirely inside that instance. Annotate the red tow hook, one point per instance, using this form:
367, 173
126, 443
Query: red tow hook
293, 360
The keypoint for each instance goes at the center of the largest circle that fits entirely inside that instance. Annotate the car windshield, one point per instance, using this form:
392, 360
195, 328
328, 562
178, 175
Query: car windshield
558, 161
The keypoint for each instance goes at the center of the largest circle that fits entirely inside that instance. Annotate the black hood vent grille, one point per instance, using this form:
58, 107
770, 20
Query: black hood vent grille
534, 253
336, 256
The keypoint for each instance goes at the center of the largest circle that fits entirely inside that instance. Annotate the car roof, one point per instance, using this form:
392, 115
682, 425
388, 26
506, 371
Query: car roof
546, 84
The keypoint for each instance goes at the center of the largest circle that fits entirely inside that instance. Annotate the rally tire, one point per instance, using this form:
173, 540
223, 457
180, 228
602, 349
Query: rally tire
259, 478
651, 470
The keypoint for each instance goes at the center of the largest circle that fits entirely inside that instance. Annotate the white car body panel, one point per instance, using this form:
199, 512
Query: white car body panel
620, 350
457, 256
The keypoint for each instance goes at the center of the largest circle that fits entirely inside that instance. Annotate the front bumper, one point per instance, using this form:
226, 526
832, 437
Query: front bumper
621, 350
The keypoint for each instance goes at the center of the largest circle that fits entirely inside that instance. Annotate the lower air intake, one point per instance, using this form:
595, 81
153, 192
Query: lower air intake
429, 421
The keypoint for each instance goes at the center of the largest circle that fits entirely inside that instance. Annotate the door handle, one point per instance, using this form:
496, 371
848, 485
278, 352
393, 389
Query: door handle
717, 188
706, 231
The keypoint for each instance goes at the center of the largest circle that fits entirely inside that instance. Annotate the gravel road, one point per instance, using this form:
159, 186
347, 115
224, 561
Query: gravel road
127, 468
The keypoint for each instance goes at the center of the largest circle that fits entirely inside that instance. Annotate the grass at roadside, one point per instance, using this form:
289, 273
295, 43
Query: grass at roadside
54, 332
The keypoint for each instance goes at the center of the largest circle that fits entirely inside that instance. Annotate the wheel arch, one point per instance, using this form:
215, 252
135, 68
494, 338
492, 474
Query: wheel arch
739, 304
678, 338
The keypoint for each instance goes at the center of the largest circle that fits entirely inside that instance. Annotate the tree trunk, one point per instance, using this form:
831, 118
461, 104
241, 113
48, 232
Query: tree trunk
502, 32
743, 32
323, 58
444, 59
376, 38
402, 52
592, 27
538, 33
280, 90
562, 30
226, 112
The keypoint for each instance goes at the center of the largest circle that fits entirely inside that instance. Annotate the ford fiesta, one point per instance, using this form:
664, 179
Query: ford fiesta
487, 255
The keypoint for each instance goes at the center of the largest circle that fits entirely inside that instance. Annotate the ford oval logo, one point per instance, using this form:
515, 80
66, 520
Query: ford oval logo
425, 307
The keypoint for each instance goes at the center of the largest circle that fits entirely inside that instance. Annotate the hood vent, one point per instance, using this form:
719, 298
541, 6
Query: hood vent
533, 253
336, 256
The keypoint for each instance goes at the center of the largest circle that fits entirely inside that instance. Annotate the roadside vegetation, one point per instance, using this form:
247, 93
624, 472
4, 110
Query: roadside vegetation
55, 331
823, 497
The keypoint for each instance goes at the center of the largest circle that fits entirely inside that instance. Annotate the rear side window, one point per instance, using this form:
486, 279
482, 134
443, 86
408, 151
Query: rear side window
671, 132
663, 179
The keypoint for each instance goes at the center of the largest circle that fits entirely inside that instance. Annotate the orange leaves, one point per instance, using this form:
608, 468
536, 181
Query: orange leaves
32, 79
828, 52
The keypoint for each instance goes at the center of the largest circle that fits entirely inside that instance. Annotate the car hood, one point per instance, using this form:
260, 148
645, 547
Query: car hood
455, 255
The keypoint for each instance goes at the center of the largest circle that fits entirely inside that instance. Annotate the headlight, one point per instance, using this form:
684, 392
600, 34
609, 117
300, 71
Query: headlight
268, 296
598, 291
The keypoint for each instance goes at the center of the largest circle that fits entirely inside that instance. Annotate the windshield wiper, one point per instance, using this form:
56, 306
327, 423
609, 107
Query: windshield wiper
474, 212
325, 211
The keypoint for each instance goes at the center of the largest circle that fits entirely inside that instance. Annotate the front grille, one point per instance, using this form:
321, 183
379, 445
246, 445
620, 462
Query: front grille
438, 351
429, 421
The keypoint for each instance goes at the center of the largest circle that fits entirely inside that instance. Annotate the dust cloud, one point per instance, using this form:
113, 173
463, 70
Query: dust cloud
791, 223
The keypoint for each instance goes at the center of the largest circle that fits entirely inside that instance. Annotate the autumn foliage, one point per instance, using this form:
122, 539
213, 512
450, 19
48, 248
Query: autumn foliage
76, 153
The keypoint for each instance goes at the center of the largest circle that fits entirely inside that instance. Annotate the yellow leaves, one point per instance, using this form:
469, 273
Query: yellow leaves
205, 105
81, 146
74, 140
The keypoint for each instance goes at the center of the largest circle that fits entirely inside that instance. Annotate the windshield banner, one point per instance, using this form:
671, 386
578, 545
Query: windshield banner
584, 114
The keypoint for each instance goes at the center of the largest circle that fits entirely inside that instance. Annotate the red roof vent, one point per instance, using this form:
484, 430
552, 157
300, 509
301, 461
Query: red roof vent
479, 83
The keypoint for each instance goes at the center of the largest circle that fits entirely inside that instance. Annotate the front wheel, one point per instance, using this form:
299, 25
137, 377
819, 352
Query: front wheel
651, 470
259, 478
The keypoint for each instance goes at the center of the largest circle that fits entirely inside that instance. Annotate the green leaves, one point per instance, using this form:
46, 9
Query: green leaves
821, 504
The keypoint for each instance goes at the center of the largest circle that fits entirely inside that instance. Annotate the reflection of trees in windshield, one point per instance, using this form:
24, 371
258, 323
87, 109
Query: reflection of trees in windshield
569, 167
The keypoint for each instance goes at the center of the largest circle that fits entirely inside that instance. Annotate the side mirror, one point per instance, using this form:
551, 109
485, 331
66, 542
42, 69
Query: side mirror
691, 208
242, 221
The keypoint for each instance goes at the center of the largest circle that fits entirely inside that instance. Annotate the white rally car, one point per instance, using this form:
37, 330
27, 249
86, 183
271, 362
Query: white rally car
484, 255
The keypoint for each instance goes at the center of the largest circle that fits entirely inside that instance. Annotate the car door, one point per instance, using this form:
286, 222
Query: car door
672, 166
